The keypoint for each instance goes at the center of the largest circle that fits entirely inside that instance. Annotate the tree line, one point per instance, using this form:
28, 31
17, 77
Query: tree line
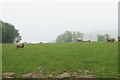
102, 37
8, 33
71, 36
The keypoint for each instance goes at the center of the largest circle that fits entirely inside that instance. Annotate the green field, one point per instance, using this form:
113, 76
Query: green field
94, 59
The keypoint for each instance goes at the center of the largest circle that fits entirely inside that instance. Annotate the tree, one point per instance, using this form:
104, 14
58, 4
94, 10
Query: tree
9, 33
69, 36
77, 35
107, 36
17, 39
102, 37
59, 39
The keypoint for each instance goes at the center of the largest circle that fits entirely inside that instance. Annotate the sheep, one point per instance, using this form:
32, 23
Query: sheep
110, 40
79, 39
84, 41
20, 45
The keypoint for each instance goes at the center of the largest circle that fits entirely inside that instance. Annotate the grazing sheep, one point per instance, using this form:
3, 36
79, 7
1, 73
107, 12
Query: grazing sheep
88, 40
79, 39
84, 41
110, 39
20, 45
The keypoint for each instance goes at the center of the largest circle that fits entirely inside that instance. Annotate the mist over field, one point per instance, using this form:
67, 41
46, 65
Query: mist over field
44, 21
93, 35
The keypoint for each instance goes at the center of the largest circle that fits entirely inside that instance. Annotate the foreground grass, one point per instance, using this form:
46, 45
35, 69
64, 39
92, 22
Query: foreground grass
99, 58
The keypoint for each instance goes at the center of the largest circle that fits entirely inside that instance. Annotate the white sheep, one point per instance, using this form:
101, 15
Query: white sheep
20, 45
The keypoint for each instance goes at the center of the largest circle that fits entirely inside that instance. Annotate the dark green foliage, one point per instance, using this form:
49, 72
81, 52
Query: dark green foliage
9, 33
69, 36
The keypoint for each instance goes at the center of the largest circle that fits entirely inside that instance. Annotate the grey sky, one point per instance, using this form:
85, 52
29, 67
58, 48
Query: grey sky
44, 21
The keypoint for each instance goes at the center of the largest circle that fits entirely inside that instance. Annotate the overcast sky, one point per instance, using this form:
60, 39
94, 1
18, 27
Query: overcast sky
44, 20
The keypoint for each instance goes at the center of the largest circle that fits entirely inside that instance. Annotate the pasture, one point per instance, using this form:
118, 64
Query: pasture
58, 60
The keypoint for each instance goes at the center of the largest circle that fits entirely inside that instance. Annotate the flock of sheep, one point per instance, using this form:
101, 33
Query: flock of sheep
21, 45
107, 39
83, 41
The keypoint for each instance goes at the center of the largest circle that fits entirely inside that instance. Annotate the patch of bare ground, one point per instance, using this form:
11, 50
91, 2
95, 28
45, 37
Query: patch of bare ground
33, 75
63, 75
27, 74
85, 74
8, 74
81, 73
36, 74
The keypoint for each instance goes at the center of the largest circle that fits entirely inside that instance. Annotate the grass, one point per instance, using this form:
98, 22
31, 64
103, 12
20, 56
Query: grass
100, 59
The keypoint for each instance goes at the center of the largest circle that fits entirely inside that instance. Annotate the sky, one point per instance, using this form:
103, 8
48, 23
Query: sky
44, 20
